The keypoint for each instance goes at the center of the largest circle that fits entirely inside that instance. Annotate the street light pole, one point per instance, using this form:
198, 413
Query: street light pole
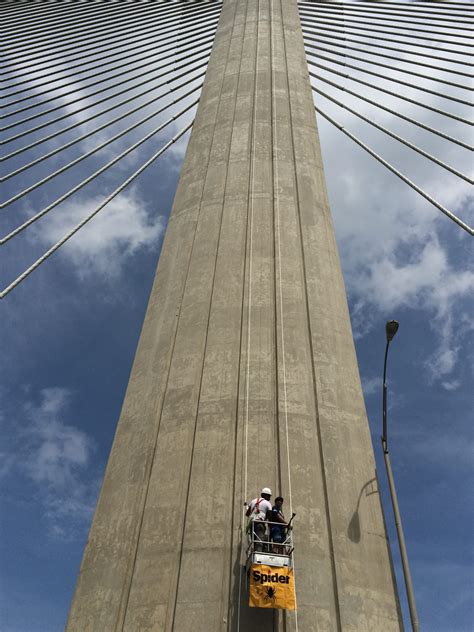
391, 329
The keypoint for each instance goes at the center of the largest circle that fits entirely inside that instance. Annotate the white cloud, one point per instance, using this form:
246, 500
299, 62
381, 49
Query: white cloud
105, 244
57, 458
371, 385
397, 250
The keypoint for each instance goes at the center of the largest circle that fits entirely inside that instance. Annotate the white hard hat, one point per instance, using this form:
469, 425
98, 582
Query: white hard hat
266, 490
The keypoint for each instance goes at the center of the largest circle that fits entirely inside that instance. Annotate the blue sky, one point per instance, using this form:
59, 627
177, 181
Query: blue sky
68, 335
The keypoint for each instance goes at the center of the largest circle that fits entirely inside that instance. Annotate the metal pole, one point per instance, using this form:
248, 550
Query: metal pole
396, 511
401, 541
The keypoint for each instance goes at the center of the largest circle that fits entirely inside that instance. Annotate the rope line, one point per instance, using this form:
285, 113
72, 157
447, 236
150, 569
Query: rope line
411, 7
116, 119
391, 93
397, 137
129, 31
391, 168
374, 15
82, 223
98, 49
194, 42
359, 24
423, 53
249, 301
109, 71
358, 10
117, 11
92, 151
80, 27
399, 59
394, 68
112, 75
282, 320
360, 33
394, 112
93, 176
103, 99
171, 24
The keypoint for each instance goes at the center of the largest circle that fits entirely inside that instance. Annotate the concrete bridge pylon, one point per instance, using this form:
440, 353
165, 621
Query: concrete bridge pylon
245, 376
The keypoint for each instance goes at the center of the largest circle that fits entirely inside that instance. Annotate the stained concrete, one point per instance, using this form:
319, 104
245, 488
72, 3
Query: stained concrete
245, 375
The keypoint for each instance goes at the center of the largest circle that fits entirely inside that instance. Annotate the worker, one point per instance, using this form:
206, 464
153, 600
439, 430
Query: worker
278, 531
259, 511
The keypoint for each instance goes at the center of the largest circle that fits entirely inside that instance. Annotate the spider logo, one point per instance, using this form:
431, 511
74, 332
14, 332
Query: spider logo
269, 593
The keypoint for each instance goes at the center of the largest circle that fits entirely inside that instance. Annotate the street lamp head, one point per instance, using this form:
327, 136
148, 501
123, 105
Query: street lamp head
391, 329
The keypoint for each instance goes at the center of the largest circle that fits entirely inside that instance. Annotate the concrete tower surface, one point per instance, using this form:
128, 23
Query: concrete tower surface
245, 376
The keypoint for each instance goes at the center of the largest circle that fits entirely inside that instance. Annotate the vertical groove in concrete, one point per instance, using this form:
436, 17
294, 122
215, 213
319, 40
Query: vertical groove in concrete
245, 375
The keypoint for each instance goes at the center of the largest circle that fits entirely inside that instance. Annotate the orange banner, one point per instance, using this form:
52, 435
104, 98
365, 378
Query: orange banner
272, 587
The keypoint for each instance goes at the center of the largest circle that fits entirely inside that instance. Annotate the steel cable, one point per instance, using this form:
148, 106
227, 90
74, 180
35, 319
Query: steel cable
394, 68
387, 39
204, 33
173, 68
169, 23
391, 93
79, 24
179, 36
341, 10
35, 15
393, 80
116, 11
385, 56
106, 71
117, 119
127, 29
394, 112
405, 142
349, 21
391, 168
399, 5
408, 35
78, 226
123, 102
87, 180
414, 6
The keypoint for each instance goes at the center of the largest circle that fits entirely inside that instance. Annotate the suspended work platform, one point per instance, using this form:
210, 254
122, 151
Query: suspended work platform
269, 567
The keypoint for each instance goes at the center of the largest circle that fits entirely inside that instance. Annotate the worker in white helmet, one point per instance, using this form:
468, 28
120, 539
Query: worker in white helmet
258, 511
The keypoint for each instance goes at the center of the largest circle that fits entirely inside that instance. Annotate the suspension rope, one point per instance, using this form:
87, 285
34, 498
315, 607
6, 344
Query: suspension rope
344, 45
409, 7
391, 93
420, 151
177, 39
129, 31
391, 168
342, 11
359, 23
103, 144
109, 13
83, 25
360, 33
93, 176
82, 223
112, 107
106, 71
72, 142
203, 34
394, 112
381, 65
98, 33
322, 32
106, 98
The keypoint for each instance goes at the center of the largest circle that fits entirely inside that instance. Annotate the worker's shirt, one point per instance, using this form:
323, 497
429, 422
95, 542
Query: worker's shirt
259, 508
